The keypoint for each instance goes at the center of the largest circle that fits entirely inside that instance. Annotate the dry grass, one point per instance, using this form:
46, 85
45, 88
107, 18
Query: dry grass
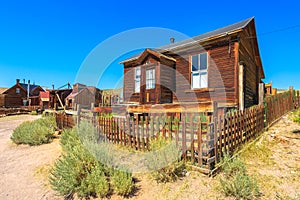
274, 160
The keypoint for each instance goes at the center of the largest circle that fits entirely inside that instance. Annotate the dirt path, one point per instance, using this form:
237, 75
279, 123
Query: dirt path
22, 168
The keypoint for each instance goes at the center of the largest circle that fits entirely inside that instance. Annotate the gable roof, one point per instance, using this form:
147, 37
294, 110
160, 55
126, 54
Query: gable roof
90, 89
221, 32
2, 90
31, 87
157, 54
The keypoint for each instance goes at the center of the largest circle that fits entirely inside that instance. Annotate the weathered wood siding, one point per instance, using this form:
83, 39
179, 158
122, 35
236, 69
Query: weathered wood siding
128, 92
167, 81
251, 70
225, 55
11, 99
221, 70
164, 77
84, 98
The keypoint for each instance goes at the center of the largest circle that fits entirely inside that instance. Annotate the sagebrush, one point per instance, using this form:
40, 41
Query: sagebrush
236, 182
78, 171
36, 132
164, 160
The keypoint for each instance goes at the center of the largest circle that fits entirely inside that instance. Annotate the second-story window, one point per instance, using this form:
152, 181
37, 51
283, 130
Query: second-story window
150, 78
17, 90
199, 71
137, 79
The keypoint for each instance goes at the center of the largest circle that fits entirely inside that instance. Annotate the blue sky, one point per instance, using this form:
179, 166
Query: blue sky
47, 41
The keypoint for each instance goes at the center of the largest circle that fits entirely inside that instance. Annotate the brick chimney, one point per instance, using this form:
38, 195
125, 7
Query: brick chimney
17, 81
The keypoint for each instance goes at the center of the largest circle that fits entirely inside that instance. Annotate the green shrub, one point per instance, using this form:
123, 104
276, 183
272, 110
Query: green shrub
95, 184
36, 132
164, 160
78, 171
122, 182
236, 182
33, 112
296, 117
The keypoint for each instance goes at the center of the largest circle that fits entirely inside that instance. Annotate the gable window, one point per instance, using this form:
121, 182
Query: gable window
199, 71
17, 90
150, 78
137, 79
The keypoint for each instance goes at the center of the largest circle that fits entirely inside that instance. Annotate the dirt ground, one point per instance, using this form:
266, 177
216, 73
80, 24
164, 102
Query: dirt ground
274, 159
23, 167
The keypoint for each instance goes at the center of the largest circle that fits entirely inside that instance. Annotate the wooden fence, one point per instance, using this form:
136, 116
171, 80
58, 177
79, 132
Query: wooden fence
203, 138
278, 105
12, 111
31, 108
64, 120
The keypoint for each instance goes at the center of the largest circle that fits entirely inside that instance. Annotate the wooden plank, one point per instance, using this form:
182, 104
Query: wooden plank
231, 132
184, 136
220, 127
216, 139
147, 133
130, 130
192, 139
139, 134
143, 133
200, 161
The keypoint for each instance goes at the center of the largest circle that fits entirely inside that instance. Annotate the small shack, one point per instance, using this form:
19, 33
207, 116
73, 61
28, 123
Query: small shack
86, 96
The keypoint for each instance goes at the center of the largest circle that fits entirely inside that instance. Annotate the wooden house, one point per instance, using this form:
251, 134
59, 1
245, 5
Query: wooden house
16, 96
86, 96
223, 65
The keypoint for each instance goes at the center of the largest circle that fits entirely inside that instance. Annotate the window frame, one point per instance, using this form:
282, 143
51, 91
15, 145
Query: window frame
150, 85
200, 71
18, 90
137, 88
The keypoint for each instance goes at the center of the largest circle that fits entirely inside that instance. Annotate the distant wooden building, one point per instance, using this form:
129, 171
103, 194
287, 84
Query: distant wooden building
54, 98
86, 96
111, 97
269, 90
223, 65
16, 96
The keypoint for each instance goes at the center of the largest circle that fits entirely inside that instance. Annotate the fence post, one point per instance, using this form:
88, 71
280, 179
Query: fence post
78, 113
184, 136
215, 117
291, 88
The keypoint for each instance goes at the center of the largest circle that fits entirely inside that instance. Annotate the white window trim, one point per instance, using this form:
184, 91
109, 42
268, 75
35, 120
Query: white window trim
137, 88
199, 71
152, 86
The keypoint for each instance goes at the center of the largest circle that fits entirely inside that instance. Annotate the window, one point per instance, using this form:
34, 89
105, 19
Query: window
150, 78
199, 71
137, 79
17, 90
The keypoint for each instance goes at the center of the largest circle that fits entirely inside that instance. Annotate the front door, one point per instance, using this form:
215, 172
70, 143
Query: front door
150, 96
150, 85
